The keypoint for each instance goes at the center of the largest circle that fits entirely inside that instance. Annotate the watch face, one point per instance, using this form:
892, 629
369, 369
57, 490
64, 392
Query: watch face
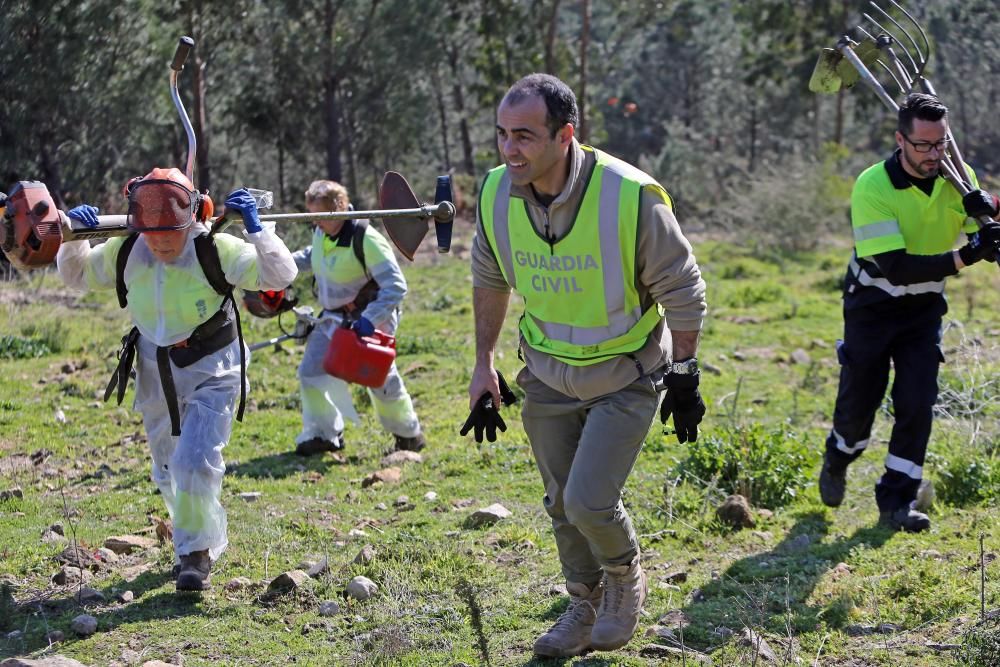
689, 367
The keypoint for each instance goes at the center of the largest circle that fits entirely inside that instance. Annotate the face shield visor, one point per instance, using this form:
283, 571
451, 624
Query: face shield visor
160, 205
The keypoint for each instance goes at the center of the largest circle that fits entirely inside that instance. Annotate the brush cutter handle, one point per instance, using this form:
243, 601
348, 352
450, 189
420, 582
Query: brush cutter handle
184, 46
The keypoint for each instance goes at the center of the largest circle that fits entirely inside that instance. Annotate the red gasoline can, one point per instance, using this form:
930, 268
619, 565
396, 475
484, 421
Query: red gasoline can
363, 360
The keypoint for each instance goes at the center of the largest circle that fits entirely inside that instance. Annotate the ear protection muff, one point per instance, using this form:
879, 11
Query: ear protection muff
205, 209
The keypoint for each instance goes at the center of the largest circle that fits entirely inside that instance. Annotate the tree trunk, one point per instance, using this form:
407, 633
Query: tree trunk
199, 90
550, 39
458, 99
442, 117
838, 121
582, 97
331, 115
352, 174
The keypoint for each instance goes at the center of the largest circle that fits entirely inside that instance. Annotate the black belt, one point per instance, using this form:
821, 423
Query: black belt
210, 336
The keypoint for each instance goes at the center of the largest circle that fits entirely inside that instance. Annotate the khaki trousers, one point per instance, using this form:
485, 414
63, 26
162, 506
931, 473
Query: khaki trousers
585, 451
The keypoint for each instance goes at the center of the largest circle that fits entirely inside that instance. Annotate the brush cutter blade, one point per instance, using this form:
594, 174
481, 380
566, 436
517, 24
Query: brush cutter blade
406, 233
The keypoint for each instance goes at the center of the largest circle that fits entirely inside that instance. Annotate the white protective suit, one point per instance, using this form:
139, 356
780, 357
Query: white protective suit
326, 400
166, 301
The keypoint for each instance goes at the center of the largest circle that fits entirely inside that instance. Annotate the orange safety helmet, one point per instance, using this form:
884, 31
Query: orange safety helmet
165, 200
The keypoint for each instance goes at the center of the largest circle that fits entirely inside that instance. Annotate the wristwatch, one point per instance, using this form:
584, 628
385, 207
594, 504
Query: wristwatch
686, 367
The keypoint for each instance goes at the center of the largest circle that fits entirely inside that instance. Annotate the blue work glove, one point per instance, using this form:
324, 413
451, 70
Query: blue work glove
242, 201
363, 326
84, 213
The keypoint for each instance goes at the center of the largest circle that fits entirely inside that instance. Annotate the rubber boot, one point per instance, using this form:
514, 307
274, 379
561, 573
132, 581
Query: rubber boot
570, 634
195, 571
319, 445
414, 444
618, 618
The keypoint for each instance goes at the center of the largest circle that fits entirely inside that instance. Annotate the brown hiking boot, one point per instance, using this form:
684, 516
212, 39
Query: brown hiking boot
194, 572
319, 445
414, 444
618, 618
570, 634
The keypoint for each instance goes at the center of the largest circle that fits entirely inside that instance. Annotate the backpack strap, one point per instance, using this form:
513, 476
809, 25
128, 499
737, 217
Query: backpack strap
120, 263
358, 243
211, 265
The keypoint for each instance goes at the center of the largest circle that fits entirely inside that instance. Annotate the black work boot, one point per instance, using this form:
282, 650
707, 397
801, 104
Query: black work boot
319, 445
832, 484
905, 518
414, 444
194, 573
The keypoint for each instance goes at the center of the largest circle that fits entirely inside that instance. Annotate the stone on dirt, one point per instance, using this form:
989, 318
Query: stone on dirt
288, 581
735, 511
237, 583
365, 556
390, 475
758, 644
401, 457
318, 569
488, 516
69, 575
329, 608
361, 588
50, 661
88, 596
126, 544
84, 625
15, 492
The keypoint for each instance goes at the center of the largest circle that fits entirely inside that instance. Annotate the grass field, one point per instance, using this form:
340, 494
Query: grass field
820, 586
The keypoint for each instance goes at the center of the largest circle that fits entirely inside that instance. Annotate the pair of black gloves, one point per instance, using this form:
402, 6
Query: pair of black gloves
985, 243
682, 400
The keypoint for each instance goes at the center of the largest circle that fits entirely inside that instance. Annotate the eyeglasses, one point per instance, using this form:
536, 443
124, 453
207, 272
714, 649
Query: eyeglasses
926, 146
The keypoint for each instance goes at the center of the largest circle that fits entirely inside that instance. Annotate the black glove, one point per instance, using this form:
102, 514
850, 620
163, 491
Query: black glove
980, 204
486, 417
683, 401
984, 244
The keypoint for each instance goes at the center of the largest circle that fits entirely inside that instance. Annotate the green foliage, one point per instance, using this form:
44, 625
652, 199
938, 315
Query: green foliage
15, 347
767, 466
754, 293
965, 480
980, 646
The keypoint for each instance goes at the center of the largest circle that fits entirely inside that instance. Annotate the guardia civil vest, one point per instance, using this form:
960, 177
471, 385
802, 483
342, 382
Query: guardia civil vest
890, 213
581, 302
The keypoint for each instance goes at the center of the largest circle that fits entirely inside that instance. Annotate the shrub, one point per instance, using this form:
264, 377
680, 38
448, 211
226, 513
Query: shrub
766, 467
14, 347
966, 480
980, 646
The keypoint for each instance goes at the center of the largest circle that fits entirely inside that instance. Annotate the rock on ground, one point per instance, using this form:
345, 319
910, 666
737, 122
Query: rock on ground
488, 515
735, 511
84, 625
126, 544
288, 581
361, 588
51, 661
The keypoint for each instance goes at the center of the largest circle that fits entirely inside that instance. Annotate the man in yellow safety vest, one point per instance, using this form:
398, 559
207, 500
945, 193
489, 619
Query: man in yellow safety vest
592, 245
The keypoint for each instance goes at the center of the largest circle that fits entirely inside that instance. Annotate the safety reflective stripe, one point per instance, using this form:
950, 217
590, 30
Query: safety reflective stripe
848, 449
501, 231
877, 230
863, 277
908, 468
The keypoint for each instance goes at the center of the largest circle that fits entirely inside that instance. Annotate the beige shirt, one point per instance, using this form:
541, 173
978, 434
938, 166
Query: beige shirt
667, 274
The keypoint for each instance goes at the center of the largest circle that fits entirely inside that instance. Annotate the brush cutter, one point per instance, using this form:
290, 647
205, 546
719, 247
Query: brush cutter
32, 228
304, 324
900, 49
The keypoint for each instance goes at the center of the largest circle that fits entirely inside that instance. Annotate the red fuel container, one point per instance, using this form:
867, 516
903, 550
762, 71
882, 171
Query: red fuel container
363, 360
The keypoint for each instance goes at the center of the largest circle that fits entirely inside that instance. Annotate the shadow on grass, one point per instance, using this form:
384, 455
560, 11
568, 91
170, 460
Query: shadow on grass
57, 614
285, 464
770, 590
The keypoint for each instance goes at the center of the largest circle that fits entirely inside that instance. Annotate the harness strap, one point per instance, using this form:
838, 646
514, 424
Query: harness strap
169, 390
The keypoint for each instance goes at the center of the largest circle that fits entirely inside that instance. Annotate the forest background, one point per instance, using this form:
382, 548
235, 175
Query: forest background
709, 97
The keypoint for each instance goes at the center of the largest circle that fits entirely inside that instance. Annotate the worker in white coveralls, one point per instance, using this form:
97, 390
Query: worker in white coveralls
358, 280
175, 279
